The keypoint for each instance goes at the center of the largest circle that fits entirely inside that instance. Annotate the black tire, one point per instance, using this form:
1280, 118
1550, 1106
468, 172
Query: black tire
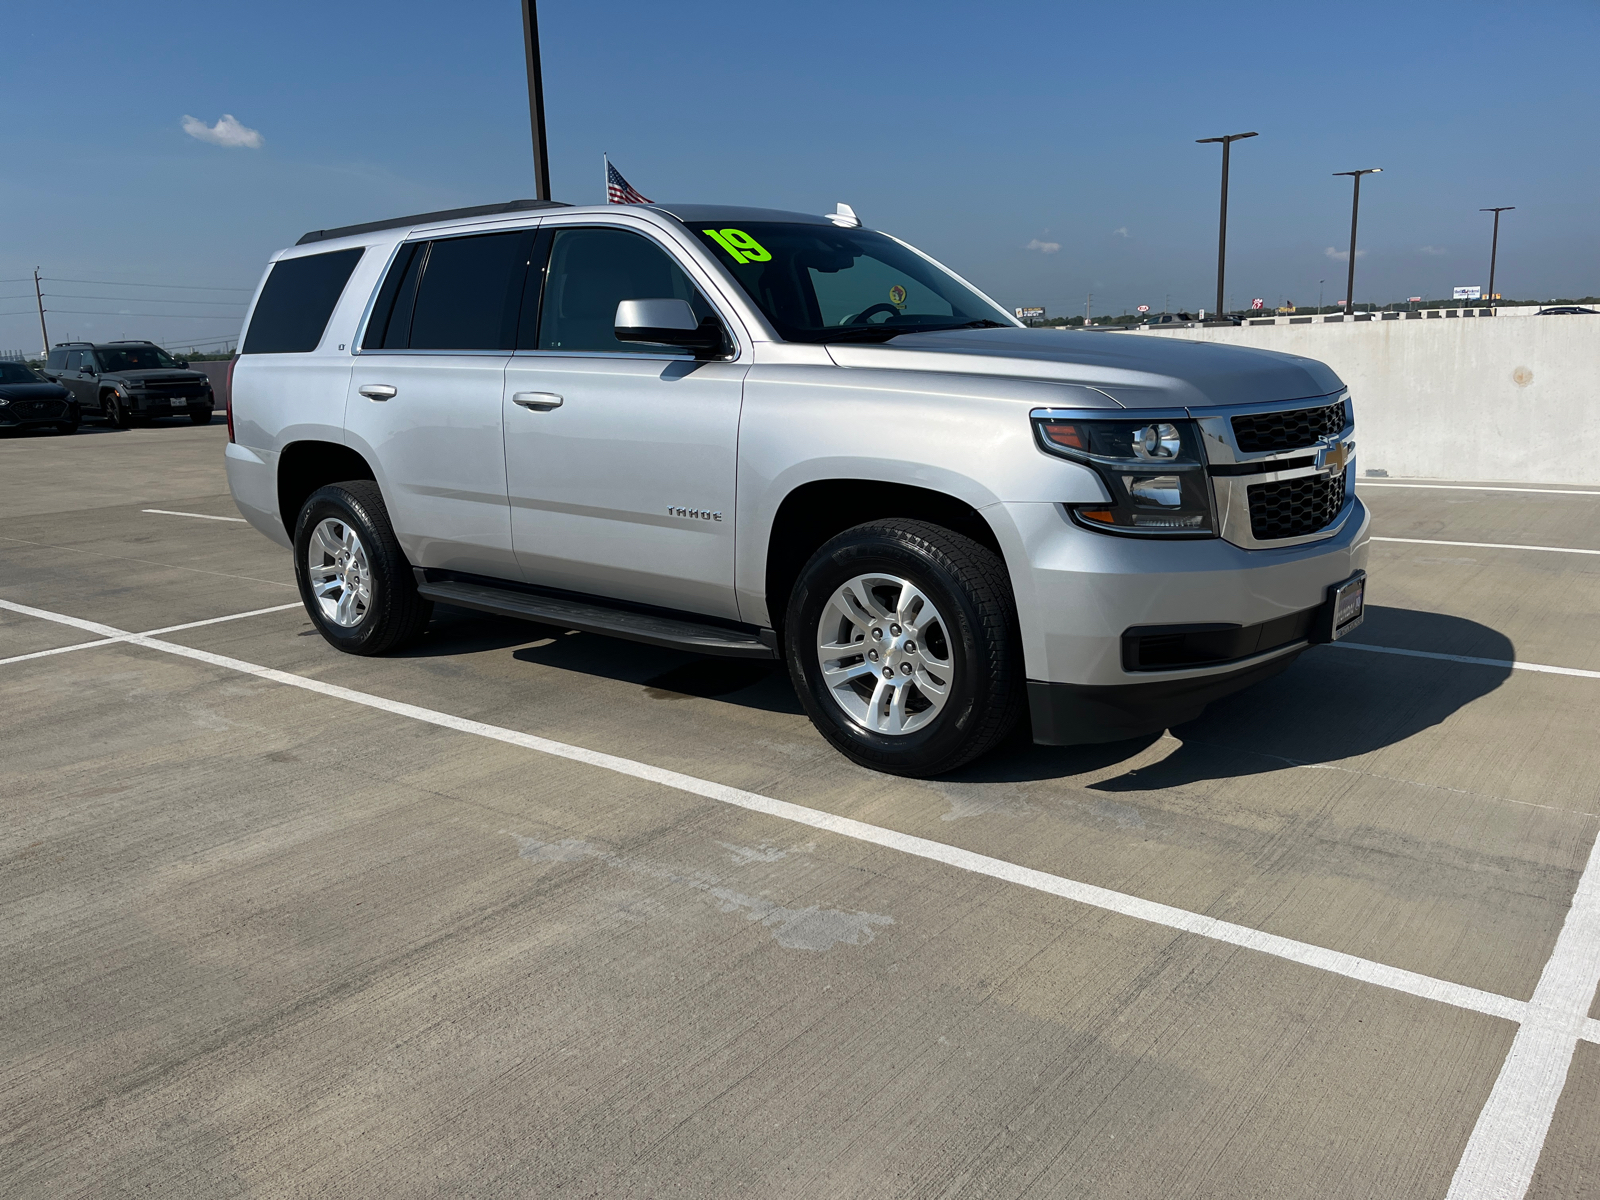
203, 417
396, 613
115, 411
67, 427
968, 584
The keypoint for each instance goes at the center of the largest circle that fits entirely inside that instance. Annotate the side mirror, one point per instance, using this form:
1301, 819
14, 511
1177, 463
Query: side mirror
88, 369
183, 362
666, 323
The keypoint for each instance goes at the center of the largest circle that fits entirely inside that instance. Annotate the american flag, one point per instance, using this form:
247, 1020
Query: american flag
619, 190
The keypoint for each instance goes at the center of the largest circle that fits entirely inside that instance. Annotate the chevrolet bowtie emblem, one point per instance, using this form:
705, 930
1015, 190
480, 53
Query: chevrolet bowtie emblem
1332, 458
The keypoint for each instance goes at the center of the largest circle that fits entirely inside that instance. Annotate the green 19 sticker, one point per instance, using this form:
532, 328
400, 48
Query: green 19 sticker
740, 244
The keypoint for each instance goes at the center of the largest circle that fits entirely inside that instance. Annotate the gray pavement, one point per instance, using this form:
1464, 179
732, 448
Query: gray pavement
257, 939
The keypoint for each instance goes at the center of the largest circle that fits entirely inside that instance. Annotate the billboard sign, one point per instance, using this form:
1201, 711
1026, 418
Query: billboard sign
1469, 293
1030, 313
1413, 299
1144, 308
1258, 303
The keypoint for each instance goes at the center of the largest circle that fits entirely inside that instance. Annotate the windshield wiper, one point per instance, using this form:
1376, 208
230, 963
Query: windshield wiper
882, 333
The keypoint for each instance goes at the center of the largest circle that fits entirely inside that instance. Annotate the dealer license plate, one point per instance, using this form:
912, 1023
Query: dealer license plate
1348, 605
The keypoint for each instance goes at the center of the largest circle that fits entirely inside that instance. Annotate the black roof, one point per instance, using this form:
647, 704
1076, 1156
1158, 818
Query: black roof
118, 342
447, 214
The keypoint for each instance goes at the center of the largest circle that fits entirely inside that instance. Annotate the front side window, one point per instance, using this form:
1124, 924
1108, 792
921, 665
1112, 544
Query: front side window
135, 358
821, 283
591, 271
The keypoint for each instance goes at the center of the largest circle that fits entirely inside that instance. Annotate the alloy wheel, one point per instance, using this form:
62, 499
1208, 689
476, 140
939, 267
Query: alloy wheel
885, 654
341, 577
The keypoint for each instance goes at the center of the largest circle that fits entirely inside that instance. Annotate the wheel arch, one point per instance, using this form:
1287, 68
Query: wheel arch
305, 466
818, 510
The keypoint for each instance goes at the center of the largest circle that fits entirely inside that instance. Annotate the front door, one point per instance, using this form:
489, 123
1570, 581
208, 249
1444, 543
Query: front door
425, 397
620, 458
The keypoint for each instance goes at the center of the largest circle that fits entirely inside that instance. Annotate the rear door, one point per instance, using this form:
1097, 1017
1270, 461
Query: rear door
73, 378
425, 397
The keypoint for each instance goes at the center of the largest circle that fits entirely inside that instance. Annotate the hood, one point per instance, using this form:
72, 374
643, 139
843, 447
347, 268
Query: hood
1137, 370
33, 391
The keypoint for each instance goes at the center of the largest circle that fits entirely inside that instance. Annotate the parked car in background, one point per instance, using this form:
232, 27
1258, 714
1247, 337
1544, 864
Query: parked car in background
1562, 310
30, 401
124, 382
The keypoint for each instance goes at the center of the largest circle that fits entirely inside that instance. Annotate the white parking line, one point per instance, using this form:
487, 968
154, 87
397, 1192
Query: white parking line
1320, 957
1485, 545
1463, 658
1504, 1148
162, 512
125, 637
1474, 487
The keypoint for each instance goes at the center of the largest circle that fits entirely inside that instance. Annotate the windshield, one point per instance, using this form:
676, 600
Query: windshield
818, 283
133, 358
11, 372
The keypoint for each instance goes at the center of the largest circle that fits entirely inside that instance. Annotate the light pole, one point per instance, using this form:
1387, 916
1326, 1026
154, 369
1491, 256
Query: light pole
1222, 224
1494, 246
541, 149
1355, 211
1320, 282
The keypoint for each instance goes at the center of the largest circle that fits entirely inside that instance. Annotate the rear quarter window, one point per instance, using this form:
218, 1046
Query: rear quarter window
296, 302
57, 360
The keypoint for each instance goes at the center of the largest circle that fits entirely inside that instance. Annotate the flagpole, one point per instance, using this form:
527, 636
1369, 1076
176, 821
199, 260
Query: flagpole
605, 178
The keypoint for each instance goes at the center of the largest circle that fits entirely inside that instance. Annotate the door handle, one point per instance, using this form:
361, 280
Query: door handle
377, 391
537, 401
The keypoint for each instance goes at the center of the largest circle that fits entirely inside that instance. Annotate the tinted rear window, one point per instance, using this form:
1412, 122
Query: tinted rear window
297, 301
57, 360
471, 292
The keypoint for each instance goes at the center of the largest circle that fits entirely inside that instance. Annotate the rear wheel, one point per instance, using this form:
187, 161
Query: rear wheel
902, 642
354, 579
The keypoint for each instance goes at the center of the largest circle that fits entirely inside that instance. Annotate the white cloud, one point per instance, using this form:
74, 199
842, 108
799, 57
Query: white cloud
1043, 247
226, 132
1342, 255
1423, 250
1122, 231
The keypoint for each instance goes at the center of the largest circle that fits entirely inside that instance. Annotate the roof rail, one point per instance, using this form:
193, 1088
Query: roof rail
448, 214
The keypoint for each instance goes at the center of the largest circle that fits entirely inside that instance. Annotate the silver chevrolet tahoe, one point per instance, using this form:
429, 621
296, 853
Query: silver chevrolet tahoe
739, 431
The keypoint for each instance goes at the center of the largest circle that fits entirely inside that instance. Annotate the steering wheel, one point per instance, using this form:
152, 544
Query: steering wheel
861, 317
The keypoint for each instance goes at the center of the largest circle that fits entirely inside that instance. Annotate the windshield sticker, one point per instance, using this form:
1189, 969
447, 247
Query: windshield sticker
739, 244
897, 296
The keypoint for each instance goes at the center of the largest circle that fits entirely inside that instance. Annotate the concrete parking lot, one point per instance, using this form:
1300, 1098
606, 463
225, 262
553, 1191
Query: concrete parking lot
521, 912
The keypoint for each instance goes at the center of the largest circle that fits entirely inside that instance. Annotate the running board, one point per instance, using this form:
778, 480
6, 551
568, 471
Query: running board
650, 628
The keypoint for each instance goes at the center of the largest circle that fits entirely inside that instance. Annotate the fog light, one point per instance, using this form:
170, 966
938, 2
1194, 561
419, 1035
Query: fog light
1164, 491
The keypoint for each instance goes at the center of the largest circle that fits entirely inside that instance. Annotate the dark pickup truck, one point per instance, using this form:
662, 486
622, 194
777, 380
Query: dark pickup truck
125, 382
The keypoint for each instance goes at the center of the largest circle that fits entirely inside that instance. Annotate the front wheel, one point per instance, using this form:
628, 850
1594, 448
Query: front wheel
354, 579
902, 642
115, 411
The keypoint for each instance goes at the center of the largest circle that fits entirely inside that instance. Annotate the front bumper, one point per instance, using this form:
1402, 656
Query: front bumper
19, 414
1078, 591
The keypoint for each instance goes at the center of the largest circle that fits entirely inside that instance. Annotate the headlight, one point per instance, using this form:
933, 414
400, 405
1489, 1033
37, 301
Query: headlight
1152, 467
4, 402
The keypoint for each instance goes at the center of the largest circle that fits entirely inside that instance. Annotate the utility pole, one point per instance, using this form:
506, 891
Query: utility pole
1320, 282
1087, 301
541, 148
38, 296
1222, 224
1494, 246
1355, 212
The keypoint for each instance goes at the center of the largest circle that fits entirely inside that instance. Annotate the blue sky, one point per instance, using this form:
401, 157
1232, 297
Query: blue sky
973, 131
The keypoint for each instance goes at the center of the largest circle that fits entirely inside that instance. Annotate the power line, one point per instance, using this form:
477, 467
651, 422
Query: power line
142, 300
97, 312
193, 287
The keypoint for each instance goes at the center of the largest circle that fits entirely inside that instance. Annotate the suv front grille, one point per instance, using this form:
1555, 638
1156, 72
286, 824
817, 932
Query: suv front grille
1295, 507
1263, 432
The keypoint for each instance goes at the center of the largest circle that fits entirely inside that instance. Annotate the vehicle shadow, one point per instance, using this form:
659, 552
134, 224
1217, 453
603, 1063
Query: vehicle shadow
663, 674
1333, 703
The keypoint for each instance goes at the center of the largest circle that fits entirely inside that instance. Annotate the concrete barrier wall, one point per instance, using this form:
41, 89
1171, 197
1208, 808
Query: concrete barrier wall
1491, 400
